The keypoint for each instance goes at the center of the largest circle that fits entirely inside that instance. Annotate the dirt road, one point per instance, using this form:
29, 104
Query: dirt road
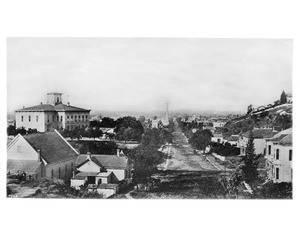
183, 158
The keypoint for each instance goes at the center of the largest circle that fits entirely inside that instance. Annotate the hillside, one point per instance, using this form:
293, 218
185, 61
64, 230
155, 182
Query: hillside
279, 118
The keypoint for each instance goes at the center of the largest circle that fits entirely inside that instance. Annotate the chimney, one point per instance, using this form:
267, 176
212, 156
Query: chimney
39, 155
41, 103
118, 152
68, 103
88, 156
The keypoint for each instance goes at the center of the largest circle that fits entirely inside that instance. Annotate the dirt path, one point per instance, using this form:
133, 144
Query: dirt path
182, 156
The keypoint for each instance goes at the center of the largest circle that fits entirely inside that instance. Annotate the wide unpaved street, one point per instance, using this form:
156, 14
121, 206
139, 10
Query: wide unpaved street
183, 158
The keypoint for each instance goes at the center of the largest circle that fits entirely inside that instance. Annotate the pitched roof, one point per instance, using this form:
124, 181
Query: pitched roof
107, 161
287, 140
284, 137
53, 108
261, 133
27, 166
233, 138
53, 147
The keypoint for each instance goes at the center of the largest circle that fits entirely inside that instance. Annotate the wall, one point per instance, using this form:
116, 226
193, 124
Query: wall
106, 192
33, 124
120, 174
284, 164
89, 167
76, 183
20, 149
55, 167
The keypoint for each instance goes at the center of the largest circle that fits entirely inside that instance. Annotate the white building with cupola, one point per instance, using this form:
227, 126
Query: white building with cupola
52, 115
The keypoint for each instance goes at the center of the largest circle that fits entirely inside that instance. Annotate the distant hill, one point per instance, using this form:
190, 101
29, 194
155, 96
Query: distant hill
279, 118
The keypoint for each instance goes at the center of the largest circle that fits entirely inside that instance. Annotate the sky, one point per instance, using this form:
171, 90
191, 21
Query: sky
142, 74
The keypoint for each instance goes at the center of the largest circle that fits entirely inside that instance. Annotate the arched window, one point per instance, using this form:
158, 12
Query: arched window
37, 118
29, 118
22, 118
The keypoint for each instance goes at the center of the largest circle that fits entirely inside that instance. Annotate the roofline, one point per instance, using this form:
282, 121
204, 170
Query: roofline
66, 141
13, 141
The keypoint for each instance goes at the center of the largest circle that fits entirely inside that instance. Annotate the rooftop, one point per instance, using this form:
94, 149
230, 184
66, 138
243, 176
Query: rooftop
55, 108
233, 138
261, 133
107, 161
53, 147
283, 138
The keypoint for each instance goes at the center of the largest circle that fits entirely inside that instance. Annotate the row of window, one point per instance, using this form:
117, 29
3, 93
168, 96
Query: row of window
29, 118
80, 118
277, 153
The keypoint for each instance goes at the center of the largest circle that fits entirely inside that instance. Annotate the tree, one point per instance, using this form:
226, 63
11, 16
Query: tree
107, 122
249, 109
283, 99
129, 128
249, 168
11, 130
201, 139
146, 159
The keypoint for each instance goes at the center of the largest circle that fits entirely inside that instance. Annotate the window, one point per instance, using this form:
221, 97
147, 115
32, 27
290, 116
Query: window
29, 118
277, 173
53, 118
37, 118
71, 117
75, 118
68, 117
59, 172
22, 118
269, 149
290, 154
57, 118
277, 154
66, 171
48, 118
52, 174
61, 118
19, 149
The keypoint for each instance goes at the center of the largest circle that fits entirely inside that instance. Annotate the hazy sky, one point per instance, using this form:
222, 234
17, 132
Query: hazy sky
125, 74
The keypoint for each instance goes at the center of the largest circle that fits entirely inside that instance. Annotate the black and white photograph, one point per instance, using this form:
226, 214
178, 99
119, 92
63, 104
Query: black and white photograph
144, 118
149, 118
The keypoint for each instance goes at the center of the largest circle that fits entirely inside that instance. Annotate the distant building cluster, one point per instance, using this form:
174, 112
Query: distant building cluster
276, 147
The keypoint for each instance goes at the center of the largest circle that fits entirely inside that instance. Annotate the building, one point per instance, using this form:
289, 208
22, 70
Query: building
41, 156
259, 139
217, 137
232, 140
102, 173
289, 97
53, 115
279, 156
